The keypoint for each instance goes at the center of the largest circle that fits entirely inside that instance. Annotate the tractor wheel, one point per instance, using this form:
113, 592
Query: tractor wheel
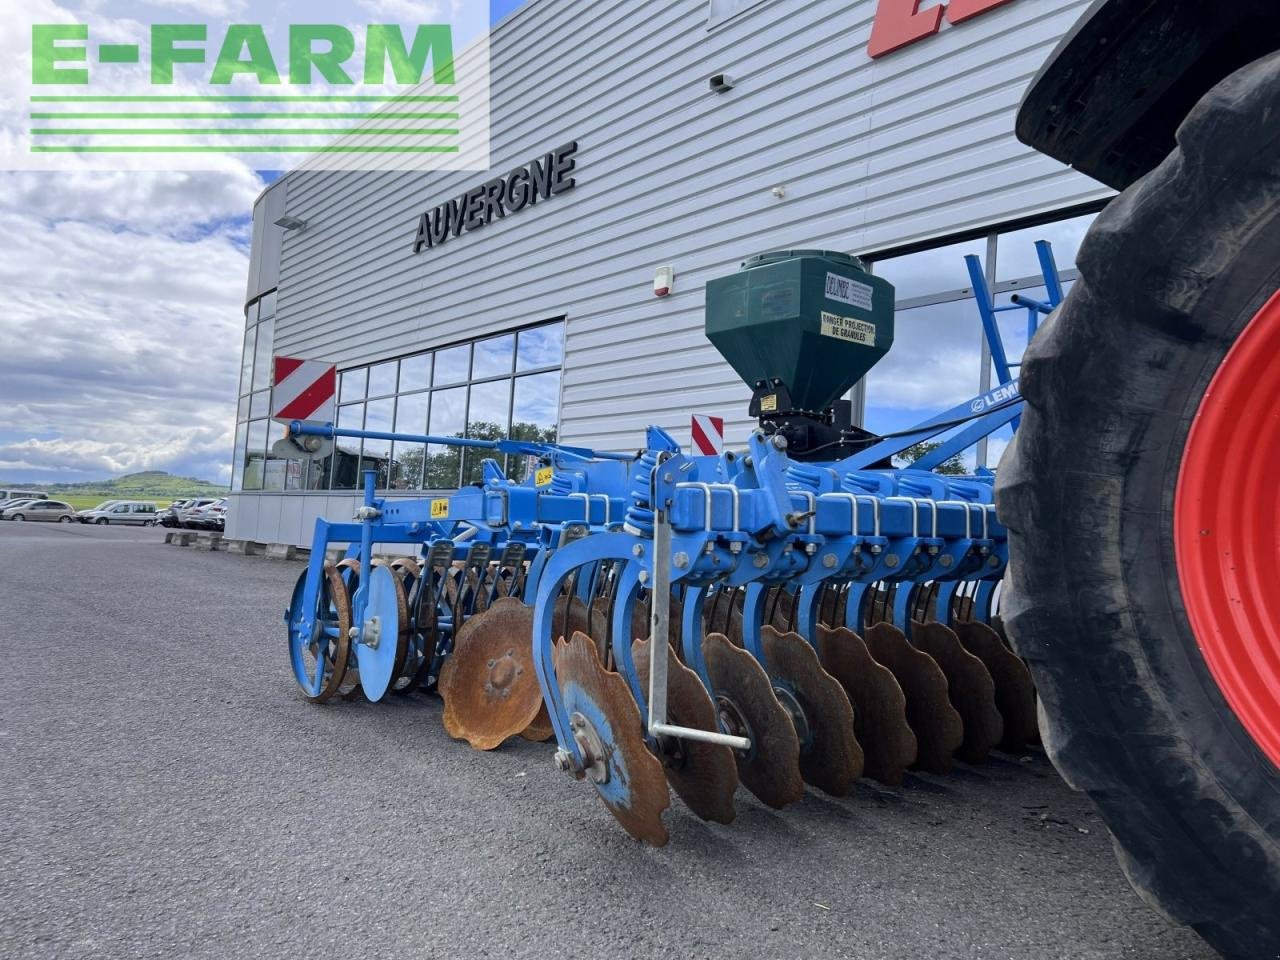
1144, 586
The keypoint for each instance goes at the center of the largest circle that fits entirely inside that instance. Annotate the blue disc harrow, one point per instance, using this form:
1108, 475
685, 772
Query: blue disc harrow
768, 619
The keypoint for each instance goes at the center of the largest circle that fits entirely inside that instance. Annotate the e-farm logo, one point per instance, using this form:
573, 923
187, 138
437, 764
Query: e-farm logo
379, 95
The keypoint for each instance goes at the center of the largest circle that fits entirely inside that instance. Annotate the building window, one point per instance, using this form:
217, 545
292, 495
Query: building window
489, 389
936, 360
254, 432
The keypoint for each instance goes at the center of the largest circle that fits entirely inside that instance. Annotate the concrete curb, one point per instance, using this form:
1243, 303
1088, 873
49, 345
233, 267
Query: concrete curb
246, 548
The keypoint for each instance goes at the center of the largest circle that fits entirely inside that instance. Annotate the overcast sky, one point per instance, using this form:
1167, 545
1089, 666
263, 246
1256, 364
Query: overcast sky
122, 308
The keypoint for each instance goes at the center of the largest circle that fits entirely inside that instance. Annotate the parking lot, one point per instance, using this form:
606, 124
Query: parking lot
168, 793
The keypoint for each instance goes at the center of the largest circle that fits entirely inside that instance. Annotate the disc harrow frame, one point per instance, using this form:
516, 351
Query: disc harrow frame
787, 558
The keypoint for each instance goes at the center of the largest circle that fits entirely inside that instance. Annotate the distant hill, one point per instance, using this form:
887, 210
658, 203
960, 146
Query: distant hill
148, 485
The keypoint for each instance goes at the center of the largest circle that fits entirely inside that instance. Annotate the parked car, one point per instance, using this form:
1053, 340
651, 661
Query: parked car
13, 502
104, 505
137, 512
211, 516
47, 510
171, 516
22, 495
184, 514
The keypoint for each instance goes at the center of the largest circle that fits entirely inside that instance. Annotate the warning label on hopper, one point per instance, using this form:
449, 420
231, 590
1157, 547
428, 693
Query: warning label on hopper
849, 291
848, 328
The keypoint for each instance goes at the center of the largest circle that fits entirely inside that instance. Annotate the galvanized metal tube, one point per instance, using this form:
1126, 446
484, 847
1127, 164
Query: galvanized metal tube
659, 630
706, 736
659, 613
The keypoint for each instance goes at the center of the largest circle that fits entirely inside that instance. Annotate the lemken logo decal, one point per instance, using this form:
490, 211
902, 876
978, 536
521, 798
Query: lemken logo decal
542, 178
996, 397
900, 23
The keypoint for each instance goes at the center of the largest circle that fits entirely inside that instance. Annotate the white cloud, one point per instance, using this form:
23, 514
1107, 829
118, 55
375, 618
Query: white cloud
207, 8
123, 316
404, 11
166, 203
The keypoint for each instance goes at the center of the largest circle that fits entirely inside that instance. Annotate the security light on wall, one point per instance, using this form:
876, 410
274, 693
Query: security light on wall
291, 223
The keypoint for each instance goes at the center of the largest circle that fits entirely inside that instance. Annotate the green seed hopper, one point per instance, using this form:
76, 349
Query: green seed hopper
801, 327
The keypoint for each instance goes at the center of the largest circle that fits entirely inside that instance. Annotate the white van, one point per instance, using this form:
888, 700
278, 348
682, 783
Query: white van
22, 495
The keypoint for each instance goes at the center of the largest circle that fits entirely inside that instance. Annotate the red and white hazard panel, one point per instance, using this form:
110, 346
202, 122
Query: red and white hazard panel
708, 435
304, 389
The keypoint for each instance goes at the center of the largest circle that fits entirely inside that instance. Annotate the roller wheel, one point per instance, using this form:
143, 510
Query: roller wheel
1141, 498
606, 727
382, 635
320, 656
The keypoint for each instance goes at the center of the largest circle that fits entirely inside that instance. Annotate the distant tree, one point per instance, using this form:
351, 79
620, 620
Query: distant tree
444, 465
952, 467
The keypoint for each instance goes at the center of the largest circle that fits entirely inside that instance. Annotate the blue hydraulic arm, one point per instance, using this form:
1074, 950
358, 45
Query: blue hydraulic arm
521, 447
985, 414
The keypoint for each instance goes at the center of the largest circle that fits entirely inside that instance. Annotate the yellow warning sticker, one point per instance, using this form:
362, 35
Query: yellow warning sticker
848, 328
543, 477
769, 404
439, 508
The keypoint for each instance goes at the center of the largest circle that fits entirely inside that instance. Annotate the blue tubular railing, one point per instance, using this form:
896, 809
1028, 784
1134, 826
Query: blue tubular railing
988, 310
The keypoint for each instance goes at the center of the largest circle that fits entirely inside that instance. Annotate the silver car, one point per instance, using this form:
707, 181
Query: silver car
140, 512
52, 511
187, 514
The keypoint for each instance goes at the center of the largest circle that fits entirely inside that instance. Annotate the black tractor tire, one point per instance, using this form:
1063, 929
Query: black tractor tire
1170, 274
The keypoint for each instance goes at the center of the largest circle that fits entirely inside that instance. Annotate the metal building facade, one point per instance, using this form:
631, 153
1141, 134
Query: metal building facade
816, 145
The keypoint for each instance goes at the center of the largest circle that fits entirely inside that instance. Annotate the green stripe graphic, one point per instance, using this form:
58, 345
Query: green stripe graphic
297, 99
249, 149
242, 132
118, 53
233, 115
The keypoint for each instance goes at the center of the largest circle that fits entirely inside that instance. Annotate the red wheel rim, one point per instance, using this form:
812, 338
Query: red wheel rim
1227, 528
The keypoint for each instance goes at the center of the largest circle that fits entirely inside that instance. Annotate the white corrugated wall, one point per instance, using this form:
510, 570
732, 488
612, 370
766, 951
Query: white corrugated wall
872, 154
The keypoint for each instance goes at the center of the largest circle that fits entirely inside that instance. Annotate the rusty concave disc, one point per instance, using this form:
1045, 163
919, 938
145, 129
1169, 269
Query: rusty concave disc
935, 722
1015, 693
606, 726
703, 775
969, 685
488, 683
830, 756
879, 706
747, 707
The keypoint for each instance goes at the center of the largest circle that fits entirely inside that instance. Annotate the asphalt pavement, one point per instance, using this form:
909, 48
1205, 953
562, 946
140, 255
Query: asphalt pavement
166, 792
